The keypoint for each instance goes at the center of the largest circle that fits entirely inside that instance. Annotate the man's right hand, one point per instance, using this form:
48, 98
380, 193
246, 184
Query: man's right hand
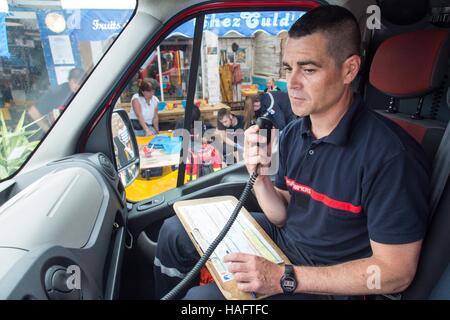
273, 201
254, 154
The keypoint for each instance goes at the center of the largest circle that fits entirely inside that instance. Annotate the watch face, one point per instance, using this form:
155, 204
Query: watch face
289, 284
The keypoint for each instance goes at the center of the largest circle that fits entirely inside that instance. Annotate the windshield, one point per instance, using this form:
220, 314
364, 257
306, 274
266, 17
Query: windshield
47, 50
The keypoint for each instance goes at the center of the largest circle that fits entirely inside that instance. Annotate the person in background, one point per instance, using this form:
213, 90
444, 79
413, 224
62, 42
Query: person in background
203, 158
144, 110
260, 105
155, 84
6, 94
228, 126
196, 117
281, 112
252, 110
270, 85
55, 100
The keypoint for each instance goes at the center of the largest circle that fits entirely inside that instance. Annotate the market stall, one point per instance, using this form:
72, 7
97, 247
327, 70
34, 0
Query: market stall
159, 159
174, 110
235, 51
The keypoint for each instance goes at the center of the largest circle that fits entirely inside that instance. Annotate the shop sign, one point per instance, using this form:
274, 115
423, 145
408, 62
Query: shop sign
243, 23
97, 25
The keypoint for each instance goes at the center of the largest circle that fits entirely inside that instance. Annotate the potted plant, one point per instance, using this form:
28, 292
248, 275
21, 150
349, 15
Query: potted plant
15, 145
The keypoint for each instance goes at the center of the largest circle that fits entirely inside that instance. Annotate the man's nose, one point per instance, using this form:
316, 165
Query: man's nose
295, 81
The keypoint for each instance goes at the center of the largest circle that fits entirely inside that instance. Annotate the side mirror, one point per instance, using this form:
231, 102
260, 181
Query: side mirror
125, 147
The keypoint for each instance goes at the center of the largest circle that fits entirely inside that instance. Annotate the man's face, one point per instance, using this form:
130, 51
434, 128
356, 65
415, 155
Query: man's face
269, 83
226, 121
315, 83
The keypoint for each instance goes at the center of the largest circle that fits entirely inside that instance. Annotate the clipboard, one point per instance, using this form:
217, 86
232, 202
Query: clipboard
229, 288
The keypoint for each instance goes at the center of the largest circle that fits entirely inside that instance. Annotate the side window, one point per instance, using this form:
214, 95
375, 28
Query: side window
47, 49
155, 100
241, 60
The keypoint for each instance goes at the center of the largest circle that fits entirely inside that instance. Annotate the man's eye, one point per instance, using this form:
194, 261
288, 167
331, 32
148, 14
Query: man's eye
309, 71
287, 69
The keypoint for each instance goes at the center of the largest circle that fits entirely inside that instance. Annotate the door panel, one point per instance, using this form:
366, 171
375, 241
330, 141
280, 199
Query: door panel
71, 215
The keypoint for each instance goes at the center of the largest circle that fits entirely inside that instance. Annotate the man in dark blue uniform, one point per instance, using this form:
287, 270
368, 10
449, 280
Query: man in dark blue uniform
349, 202
281, 112
55, 100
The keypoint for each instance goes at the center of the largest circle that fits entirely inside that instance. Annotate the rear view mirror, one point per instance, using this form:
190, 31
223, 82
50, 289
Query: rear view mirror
125, 147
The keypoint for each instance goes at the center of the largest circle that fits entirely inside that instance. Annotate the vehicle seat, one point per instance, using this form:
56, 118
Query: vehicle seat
412, 65
432, 280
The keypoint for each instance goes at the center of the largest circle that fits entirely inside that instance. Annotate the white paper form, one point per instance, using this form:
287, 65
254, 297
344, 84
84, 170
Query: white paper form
207, 220
61, 49
62, 73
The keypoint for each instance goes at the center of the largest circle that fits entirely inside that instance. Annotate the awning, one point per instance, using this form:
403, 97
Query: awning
245, 24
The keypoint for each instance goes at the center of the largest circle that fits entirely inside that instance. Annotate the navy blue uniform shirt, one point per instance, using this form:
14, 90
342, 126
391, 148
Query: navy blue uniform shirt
367, 180
281, 114
55, 98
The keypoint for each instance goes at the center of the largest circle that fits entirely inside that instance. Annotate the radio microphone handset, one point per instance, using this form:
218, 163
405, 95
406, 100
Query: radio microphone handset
263, 123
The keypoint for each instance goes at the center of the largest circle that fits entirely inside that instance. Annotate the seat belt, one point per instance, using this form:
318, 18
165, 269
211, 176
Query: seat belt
441, 171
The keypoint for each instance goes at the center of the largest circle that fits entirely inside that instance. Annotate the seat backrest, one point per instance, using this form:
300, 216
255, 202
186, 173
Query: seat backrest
407, 66
411, 65
428, 133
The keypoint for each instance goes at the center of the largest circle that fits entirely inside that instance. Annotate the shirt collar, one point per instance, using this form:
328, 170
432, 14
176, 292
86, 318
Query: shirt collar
340, 134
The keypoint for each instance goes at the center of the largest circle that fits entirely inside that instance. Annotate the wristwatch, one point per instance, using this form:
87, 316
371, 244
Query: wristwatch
288, 282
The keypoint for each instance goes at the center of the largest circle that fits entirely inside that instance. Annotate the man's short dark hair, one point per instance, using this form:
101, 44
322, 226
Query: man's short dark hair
339, 26
76, 74
222, 113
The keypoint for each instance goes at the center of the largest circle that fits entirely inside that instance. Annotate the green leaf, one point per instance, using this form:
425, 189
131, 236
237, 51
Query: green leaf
20, 123
4, 130
15, 141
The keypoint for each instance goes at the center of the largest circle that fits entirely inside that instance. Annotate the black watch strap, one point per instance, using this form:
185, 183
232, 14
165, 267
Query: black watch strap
289, 269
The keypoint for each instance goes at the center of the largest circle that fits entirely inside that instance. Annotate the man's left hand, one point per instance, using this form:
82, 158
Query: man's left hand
255, 274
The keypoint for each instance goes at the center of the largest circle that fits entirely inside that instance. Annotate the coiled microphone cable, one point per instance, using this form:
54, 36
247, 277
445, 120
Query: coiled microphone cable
204, 258
262, 123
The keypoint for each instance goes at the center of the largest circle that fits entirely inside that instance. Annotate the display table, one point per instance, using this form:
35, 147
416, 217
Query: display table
208, 112
158, 157
144, 188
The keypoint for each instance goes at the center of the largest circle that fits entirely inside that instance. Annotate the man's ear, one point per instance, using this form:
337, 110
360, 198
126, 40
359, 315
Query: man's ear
350, 68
